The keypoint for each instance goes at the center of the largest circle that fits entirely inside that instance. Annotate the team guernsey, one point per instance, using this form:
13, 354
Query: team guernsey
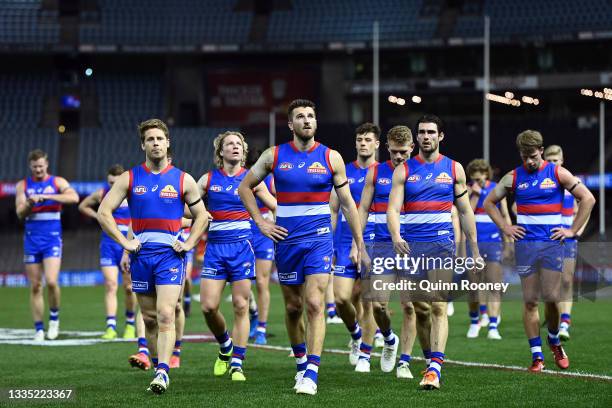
343, 237
489, 236
303, 182
184, 236
43, 227
229, 253
428, 201
156, 206
264, 246
539, 200
111, 251
567, 218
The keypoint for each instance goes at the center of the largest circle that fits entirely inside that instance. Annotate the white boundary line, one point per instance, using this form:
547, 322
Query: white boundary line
574, 374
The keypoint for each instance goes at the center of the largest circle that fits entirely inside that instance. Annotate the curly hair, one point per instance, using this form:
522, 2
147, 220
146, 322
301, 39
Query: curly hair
480, 165
218, 143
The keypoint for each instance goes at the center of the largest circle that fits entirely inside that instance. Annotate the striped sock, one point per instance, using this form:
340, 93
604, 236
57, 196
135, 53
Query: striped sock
163, 366
566, 321
536, 348
262, 327
54, 313
553, 337
365, 350
482, 309
299, 352
111, 322
473, 317
39, 326
437, 359
129, 317
331, 309
142, 346
312, 369
389, 337
355, 331
404, 358
177, 348
225, 343
238, 356
493, 323
427, 355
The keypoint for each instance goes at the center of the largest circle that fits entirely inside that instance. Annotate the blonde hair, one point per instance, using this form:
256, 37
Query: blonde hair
480, 165
152, 124
529, 140
218, 143
400, 135
553, 150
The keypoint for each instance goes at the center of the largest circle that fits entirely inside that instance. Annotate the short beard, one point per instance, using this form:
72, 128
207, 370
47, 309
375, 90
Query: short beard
303, 137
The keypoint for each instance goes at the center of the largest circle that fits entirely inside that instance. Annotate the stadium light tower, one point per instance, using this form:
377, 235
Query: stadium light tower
485, 90
375, 73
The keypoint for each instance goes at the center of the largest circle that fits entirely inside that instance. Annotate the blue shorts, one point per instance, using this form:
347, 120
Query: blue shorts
343, 267
436, 255
189, 257
491, 251
110, 253
295, 261
231, 261
379, 252
263, 246
37, 247
532, 255
570, 249
159, 268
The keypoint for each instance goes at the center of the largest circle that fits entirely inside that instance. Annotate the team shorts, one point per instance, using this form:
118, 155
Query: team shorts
532, 255
428, 256
296, 261
158, 268
189, 257
570, 249
231, 261
110, 253
37, 247
343, 266
490, 251
263, 246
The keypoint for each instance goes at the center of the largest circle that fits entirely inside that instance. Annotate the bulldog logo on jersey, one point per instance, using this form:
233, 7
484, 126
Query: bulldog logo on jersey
48, 190
140, 190
413, 178
168, 192
285, 166
444, 178
316, 168
547, 183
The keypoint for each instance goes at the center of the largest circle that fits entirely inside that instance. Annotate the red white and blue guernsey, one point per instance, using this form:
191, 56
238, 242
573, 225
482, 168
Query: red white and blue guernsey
343, 237
303, 183
567, 217
382, 180
539, 198
264, 246
229, 253
43, 227
111, 251
489, 236
184, 236
156, 203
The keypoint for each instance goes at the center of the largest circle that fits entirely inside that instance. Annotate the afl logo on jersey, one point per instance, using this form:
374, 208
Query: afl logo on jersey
286, 166
414, 178
548, 183
316, 168
168, 192
522, 186
140, 190
444, 178
384, 181
216, 188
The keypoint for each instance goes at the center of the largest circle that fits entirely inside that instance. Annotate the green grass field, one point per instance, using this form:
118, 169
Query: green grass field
102, 377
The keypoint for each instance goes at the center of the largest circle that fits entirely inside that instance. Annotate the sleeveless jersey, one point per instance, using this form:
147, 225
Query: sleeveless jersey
303, 182
567, 212
486, 230
45, 217
231, 221
121, 216
156, 206
356, 177
383, 176
539, 199
428, 199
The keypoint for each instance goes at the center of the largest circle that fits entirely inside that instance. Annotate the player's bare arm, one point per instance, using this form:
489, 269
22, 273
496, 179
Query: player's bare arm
585, 199
110, 203
23, 205
490, 205
266, 197
394, 210
334, 206
256, 174
192, 198
464, 209
67, 194
88, 205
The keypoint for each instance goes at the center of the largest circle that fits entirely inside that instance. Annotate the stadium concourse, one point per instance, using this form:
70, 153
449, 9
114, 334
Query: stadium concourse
454, 119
